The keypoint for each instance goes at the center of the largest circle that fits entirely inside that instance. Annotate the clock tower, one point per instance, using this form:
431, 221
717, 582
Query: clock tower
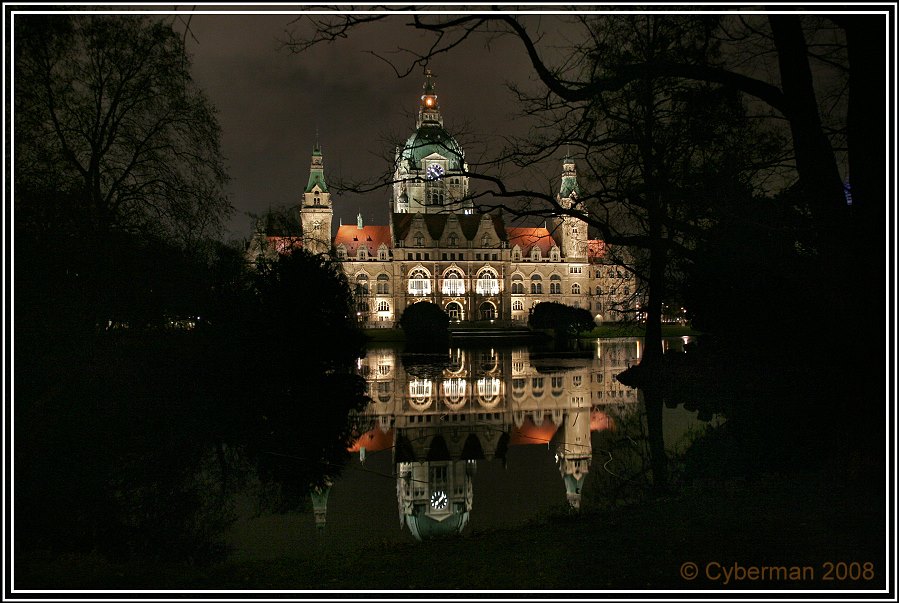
431, 172
315, 211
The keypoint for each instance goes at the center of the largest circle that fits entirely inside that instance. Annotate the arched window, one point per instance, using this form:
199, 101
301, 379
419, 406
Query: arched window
575, 289
535, 254
362, 253
454, 310
516, 254
536, 284
517, 305
419, 282
554, 254
487, 284
341, 252
435, 192
453, 240
555, 284
382, 253
362, 284
517, 285
383, 306
485, 241
383, 284
611, 273
599, 290
486, 311
419, 239
453, 283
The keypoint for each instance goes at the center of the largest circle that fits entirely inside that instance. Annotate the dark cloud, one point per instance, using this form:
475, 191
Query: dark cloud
271, 102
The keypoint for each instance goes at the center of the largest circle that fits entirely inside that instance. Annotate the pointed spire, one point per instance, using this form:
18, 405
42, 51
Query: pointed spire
570, 187
316, 169
429, 108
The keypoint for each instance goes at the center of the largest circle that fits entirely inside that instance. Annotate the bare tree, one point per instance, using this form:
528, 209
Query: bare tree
107, 116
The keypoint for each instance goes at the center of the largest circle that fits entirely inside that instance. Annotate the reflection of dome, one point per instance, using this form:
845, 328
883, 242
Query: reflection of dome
424, 527
432, 138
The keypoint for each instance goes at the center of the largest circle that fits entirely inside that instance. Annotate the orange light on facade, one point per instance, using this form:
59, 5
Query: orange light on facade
429, 101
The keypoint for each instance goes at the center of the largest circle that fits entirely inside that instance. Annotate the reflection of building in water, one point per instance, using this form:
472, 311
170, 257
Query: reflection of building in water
441, 419
319, 496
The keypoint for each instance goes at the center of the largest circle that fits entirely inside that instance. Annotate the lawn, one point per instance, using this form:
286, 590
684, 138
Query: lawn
804, 521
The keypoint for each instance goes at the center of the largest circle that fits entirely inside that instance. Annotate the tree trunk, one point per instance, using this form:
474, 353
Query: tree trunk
819, 177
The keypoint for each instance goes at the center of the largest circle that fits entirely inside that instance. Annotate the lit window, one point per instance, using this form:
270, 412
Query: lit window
575, 289
419, 282
517, 305
453, 284
383, 306
536, 284
487, 283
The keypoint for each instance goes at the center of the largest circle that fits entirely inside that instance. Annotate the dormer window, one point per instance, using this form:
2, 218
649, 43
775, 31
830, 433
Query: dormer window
485, 241
362, 253
554, 254
535, 254
453, 240
341, 252
382, 253
516, 254
419, 240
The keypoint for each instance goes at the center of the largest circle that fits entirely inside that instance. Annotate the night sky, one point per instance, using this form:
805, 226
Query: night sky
271, 102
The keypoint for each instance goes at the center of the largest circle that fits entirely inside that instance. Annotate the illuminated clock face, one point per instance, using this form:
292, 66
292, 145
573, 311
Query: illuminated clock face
435, 171
439, 499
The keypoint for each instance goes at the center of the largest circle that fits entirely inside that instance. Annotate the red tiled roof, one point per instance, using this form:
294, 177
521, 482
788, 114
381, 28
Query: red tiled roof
284, 244
527, 237
351, 237
596, 249
600, 421
529, 433
373, 440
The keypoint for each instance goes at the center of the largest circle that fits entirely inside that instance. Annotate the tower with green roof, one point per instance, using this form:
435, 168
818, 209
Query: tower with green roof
430, 174
573, 230
316, 212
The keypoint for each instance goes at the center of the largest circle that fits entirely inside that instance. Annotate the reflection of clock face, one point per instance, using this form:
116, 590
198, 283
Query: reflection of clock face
435, 171
439, 499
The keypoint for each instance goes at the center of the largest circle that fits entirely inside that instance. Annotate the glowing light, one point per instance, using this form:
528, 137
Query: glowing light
429, 101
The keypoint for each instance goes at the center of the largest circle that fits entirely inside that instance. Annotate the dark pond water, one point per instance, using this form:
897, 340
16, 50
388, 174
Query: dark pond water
479, 438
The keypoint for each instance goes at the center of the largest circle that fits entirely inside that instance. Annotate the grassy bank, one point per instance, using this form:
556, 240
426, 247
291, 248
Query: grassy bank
604, 331
634, 330
803, 520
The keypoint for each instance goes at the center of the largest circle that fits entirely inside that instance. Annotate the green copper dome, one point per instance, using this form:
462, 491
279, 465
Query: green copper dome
425, 528
432, 138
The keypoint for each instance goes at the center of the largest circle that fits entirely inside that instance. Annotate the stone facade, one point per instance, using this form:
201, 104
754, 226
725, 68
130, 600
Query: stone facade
435, 247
